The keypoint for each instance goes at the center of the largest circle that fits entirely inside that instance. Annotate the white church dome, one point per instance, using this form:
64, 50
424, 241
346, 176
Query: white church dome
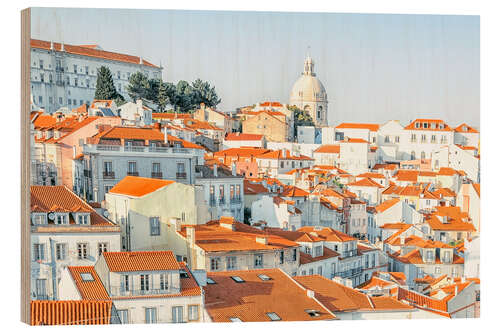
308, 88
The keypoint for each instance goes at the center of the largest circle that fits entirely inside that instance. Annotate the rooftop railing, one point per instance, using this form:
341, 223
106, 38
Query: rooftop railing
137, 149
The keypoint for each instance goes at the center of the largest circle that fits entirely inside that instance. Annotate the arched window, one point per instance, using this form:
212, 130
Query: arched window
422, 155
412, 155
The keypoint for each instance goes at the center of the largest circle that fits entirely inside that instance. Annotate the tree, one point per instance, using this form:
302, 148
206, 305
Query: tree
138, 86
204, 93
153, 90
183, 97
105, 88
300, 118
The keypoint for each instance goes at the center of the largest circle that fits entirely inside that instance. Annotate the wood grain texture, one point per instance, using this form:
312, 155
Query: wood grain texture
25, 165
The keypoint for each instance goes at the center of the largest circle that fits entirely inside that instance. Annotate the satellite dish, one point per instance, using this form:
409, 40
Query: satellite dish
52, 216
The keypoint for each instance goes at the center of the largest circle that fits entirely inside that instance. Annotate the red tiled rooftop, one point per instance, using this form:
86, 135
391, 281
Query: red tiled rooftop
139, 186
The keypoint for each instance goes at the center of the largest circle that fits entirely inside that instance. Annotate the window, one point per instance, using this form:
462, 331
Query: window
193, 311
60, 251
150, 315
76, 85
41, 288
144, 282
82, 250
282, 164
221, 193
108, 168
258, 260
413, 138
396, 139
429, 255
61, 219
264, 277
86, 277
123, 315
294, 254
87, 70
238, 189
39, 219
438, 270
210, 281
282, 257
235, 319
230, 263
42, 77
412, 156
38, 252
422, 155
320, 270
75, 67
433, 139
125, 283
317, 251
446, 256
163, 282
154, 226
231, 192
83, 219
118, 74
311, 271
102, 247
41, 63
156, 168
60, 100
214, 264
177, 314
273, 316
132, 167
237, 279
454, 272
387, 139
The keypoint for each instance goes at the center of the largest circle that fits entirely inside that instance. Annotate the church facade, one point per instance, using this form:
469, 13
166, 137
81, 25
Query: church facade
309, 94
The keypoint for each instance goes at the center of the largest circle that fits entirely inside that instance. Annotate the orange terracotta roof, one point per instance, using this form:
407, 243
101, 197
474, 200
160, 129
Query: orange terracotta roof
433, 125
171, 116
444, 192
139, 186
200, 125
477, 187
328, 149
251, 300
212, 237
327, 234
382, 207
272, 104
293, 191
278, 154
90, 52
243, 137
306, 258
385, 166
354, 140
464, 128
242, 152
253, 188
445, 171
82, 312
368, 182
371, 127
141, 261
47, 199
371, 175
89, 290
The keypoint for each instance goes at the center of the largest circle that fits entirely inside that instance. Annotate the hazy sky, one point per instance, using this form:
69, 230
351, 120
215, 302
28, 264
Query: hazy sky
374, 67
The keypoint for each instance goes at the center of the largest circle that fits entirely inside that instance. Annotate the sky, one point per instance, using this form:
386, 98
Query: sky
374, 67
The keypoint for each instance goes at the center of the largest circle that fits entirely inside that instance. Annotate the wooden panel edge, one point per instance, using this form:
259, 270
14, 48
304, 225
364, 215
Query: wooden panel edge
25, 165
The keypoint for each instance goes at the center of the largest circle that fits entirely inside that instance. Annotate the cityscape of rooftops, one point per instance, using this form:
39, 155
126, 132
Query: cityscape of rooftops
253, 166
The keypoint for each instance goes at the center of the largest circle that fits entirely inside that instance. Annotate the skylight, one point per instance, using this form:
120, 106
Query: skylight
86, 277
237, 279
184, 274
273, 316
264, 277
313, 313
235, 319
210, 281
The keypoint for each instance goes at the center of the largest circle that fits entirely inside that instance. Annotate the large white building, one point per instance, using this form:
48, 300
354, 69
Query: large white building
64, 75
309, 94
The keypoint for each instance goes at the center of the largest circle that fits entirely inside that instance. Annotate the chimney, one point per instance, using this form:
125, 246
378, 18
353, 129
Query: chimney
456, 289
261, 240
140, 61
62, 47
283, 151
215, 170
165, 136
310, 293
52, 46
74, 151
233, 169
190, 235
177, 223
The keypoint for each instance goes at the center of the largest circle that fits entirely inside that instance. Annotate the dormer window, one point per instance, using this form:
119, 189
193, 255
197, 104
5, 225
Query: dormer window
83, 219
61, 218
39, 218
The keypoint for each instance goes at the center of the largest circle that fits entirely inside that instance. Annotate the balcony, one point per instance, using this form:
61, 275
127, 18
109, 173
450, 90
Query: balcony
108, 175
87, 173
212, 202
120, 291
235, 201
60, 69
158, 175
180, 175
95, 148
133, 173
349, 272
222, 201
